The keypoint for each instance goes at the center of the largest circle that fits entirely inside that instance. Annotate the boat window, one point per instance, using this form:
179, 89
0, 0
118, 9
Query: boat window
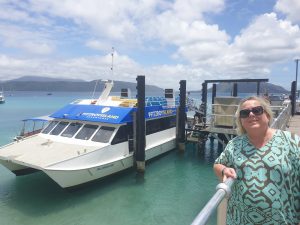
156, 125
86, 132
152, 126
122, 135
103, 134
58, 129
71, 130
49, 127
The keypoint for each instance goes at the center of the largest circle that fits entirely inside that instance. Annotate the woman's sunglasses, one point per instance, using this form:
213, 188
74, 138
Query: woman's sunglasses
257, 111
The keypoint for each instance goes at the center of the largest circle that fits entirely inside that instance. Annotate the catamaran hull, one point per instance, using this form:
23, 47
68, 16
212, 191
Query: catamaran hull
70, 178
17, 169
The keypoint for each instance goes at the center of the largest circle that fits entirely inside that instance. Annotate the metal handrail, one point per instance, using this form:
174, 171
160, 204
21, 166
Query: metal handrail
223, 190
281, 121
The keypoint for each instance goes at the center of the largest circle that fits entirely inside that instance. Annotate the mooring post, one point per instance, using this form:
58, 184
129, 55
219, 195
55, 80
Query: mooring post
204, 100
258, 88
235, 90
214, 93
181, 116
293, 97
140, 132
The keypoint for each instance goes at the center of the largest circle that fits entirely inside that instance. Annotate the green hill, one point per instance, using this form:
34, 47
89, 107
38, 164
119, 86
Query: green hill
30, 83
249, 88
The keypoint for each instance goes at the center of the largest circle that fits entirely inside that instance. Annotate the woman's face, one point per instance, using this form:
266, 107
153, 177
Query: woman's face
255, 120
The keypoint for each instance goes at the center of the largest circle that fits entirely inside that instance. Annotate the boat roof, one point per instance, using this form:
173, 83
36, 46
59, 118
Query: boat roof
39, 118
109, 114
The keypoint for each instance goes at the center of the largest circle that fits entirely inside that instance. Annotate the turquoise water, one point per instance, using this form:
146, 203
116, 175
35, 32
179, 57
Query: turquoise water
173, 190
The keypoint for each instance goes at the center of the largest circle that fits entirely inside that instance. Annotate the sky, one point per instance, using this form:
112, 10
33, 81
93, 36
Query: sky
165, 40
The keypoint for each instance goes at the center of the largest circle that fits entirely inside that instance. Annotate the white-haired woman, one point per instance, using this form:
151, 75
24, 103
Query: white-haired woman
266, 165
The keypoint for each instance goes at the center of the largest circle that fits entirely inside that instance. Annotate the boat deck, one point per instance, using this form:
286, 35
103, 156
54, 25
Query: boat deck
294, 124
39, 152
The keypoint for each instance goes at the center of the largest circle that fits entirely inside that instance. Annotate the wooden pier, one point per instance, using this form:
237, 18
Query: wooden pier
219, 123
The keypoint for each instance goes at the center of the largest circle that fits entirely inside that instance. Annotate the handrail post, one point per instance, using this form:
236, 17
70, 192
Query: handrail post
223, 190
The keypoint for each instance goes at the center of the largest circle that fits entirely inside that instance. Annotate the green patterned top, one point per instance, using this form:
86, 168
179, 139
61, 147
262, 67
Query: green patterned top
267, 189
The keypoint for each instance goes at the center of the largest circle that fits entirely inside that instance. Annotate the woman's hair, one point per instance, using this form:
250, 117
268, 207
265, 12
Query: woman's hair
263, 102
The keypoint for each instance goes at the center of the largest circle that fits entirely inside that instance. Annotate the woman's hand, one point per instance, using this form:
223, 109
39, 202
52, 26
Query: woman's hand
224, 172
228, 172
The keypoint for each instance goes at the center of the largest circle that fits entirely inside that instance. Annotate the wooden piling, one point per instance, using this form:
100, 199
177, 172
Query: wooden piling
181, 117
140, 133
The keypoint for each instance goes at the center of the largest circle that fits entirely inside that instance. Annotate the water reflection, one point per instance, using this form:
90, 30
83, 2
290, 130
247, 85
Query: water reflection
206, 152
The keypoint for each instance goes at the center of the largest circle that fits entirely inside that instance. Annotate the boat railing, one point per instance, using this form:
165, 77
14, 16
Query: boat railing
223, 192
159, 101
282, 115
32, 126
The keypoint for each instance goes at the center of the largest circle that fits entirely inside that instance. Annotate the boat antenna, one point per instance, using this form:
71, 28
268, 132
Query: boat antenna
112, 61
111, 68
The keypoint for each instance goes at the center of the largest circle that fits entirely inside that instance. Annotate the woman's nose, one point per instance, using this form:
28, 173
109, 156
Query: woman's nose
251, 114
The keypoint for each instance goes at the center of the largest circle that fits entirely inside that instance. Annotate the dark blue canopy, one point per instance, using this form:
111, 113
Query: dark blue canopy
95, 113
109, 114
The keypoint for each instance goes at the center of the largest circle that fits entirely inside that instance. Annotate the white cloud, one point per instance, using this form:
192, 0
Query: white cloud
17, 11
177, 29
87, 68
97, 44
31, 41
269, 40
11, 68
99, 67
109, 19
171, 76
266, 41
290, 8
189, 10
126, 20
35, 42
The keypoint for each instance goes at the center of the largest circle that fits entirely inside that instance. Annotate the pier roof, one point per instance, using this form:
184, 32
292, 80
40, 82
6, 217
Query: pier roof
236, 80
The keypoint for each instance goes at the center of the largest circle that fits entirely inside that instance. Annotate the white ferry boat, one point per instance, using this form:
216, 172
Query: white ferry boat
92, 138
2, 99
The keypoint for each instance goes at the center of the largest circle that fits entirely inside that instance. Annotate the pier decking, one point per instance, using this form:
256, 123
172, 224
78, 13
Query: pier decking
294, 124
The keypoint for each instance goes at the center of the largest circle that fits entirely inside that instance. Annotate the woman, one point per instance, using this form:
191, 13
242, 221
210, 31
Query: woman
266, 165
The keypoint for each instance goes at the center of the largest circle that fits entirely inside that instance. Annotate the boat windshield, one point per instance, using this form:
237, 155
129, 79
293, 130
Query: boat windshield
103, 134
83, 131
86, 132
71, 129
49, 127
59, 128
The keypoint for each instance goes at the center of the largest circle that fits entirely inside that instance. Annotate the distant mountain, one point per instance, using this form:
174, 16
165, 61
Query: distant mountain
37, 83
30, 83
250, 88
45, 79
